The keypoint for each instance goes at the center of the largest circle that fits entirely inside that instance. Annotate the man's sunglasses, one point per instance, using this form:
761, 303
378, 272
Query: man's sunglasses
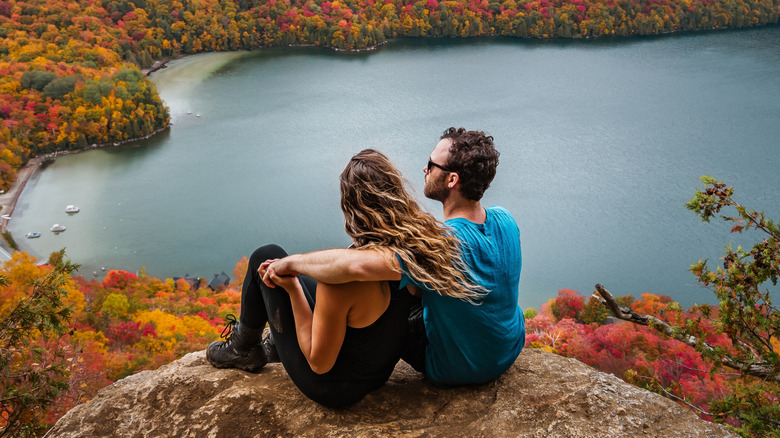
432, 164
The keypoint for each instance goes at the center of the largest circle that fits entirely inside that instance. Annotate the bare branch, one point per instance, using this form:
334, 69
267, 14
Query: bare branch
671, 396
761, 370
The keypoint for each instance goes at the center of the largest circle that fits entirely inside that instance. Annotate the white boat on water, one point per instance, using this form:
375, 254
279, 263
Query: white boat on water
32, 235
71, 209
57, 228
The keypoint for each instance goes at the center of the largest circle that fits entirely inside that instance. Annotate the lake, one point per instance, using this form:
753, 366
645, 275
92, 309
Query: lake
602, 143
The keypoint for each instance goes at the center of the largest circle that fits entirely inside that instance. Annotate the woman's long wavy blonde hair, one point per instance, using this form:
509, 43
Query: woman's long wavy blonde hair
380, 213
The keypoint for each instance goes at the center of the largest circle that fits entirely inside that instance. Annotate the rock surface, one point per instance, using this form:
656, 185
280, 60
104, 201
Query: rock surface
542, 395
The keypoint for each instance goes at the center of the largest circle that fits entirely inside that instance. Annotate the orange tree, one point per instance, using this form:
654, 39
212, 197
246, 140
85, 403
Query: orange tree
33, 365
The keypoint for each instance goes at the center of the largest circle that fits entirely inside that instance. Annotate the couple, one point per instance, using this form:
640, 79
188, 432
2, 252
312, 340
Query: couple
443, 298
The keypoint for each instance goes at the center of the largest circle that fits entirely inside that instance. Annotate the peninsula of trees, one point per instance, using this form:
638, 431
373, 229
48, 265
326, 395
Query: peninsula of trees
70, 73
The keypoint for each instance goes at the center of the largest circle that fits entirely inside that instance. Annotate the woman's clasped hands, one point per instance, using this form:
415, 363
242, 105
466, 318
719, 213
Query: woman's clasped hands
273, 273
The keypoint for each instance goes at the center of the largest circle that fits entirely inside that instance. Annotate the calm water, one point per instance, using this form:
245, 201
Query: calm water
601, 144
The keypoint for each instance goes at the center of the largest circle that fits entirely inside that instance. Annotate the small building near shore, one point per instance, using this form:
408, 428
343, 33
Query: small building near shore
194, 282
220, 280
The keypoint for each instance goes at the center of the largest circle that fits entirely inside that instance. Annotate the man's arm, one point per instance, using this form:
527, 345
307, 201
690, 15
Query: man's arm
341, 265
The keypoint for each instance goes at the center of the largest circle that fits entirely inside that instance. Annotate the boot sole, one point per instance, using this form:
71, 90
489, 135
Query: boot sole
250, 369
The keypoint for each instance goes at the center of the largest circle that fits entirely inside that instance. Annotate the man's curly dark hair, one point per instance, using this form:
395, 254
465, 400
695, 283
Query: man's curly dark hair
474, 158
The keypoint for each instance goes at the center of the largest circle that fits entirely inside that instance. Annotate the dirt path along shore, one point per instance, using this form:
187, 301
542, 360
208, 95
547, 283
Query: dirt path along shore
9, 198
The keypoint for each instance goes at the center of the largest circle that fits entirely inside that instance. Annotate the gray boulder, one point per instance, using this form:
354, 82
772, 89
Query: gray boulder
542, 395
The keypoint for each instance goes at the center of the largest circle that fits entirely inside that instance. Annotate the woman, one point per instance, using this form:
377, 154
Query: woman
347, 344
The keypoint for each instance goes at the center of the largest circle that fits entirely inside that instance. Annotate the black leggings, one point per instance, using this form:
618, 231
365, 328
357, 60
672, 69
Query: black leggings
259, 301
416, 339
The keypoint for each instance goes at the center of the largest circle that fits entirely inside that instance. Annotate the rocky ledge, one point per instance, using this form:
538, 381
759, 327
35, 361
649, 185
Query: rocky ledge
542, 395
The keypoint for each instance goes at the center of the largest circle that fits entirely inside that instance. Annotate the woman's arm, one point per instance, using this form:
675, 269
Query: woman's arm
320, 333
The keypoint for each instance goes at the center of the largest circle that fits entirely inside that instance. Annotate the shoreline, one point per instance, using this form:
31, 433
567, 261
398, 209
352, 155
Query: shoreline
163, 63
9, 199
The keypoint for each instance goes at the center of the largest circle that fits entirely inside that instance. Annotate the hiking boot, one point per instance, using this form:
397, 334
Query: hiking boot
271, 355
242, 348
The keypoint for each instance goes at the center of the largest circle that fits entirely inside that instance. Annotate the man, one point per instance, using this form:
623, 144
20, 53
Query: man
469, 343
461, 342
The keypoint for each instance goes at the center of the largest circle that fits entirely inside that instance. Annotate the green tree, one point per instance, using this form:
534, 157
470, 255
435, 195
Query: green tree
37, 79
745, 314
95, 91
59, 87
33, 369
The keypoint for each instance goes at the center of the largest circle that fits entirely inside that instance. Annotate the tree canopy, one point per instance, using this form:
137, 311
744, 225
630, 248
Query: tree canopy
88, 52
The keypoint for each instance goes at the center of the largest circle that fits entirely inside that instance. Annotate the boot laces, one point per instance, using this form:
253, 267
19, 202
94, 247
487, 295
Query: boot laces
227, 332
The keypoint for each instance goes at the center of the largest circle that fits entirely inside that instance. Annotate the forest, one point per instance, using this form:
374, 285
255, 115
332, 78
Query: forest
71, 71
98, 333
127, 323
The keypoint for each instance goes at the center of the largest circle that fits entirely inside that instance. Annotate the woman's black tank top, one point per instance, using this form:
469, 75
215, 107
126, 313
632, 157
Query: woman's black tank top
370, 353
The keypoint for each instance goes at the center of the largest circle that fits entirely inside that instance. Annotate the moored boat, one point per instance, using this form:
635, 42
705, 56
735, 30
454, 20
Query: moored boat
71, 209
32, 235
57, 228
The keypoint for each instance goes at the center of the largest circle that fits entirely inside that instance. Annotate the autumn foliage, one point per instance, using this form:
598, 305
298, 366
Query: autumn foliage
69, 73
130, 322
119, 326
637, 354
